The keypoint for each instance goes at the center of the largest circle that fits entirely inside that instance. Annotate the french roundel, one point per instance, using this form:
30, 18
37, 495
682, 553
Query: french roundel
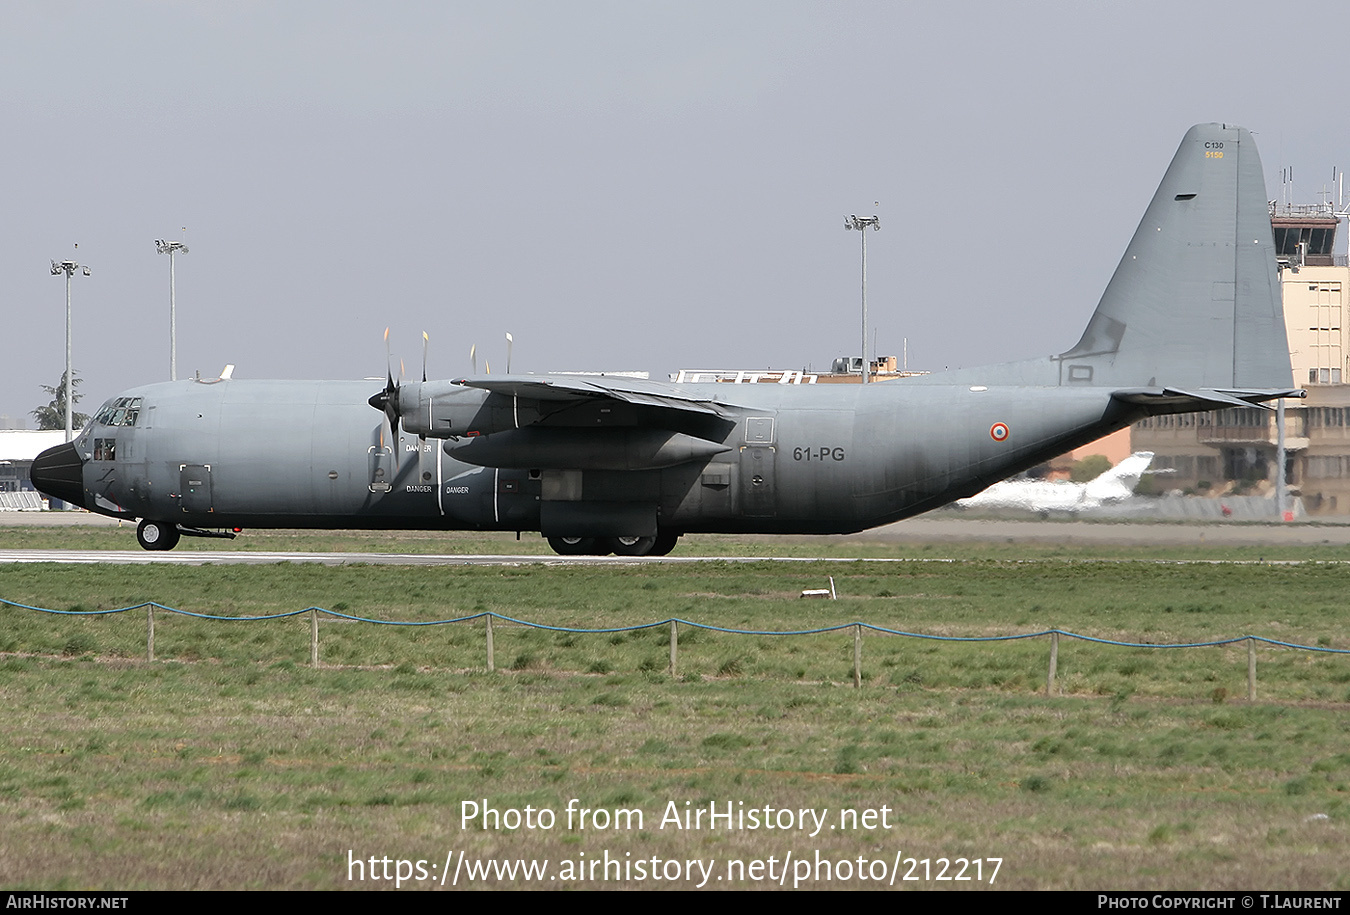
999, 432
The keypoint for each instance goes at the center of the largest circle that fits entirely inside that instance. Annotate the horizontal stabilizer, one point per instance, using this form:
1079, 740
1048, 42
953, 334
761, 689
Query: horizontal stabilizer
1165, 400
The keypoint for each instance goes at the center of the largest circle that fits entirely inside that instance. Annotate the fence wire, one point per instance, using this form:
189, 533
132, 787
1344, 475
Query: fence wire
692, 624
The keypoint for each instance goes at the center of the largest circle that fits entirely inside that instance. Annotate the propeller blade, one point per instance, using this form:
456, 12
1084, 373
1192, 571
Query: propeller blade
426, 342
473, 357
509, 341
386, 401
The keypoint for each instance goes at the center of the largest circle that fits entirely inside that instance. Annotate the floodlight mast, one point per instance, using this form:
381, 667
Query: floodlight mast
171, 248
68, 268
862, 223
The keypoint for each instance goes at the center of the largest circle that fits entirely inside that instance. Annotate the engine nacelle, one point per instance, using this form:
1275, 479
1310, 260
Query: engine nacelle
443, 409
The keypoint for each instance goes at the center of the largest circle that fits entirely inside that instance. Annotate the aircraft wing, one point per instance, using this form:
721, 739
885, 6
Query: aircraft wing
563, 388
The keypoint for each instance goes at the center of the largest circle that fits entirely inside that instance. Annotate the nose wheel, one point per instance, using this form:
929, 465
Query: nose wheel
157, 535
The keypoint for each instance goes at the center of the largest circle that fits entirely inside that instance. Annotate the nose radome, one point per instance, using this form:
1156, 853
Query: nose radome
58, 472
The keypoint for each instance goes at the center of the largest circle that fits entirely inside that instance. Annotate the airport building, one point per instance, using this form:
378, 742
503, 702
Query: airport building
18, 448
845, 370
1234, 451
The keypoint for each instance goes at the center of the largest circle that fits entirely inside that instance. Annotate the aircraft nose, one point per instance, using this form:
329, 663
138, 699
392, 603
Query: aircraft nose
59, 473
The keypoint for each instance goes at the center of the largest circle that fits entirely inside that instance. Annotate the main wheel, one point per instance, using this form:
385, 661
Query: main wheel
572, 546
663, 544
157, 535
631, 546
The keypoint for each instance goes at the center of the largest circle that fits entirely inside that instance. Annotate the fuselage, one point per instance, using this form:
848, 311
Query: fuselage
1191, 320
788, 458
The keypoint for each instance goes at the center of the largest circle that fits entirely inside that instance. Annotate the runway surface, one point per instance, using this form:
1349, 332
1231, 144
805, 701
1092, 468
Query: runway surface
221, 557
933, 529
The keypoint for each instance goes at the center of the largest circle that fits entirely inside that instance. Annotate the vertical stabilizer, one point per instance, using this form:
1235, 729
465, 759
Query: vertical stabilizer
1194, 304
1118, 483
1195, 301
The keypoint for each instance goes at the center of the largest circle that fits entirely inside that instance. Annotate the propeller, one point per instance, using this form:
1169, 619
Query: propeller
387, 400
487, 366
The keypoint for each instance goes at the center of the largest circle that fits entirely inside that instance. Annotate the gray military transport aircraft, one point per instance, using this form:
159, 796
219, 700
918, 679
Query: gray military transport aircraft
1190, 321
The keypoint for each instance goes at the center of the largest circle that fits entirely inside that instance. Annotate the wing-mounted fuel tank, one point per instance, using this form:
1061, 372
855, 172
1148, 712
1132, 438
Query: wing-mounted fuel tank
550, 448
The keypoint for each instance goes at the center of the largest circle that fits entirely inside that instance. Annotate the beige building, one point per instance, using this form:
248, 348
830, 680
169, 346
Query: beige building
1235, 450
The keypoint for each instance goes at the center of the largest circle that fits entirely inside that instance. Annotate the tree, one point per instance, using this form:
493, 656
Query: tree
1089, 468
53, 416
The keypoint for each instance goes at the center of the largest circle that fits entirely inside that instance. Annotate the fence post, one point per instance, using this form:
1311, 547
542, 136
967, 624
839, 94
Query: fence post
857, 656
1054, 662
491, 663
313, 637
1251, 669
150, 632
674, 644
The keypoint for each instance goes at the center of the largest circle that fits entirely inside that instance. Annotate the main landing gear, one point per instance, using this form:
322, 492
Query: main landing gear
659, 545
157, 535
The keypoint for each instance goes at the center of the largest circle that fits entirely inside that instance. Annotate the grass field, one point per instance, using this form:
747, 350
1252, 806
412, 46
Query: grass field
230, 763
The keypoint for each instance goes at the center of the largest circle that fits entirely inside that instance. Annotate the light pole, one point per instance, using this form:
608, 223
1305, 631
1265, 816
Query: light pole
171, 248
862, 223
68, 268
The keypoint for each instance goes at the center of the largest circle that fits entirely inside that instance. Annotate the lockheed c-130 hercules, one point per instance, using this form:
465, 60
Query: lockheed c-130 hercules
1191, 320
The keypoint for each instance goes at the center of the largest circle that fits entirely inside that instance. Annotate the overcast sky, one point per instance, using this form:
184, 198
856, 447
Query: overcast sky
620, 185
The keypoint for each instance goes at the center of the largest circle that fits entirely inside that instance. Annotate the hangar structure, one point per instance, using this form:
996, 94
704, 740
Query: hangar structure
18, 448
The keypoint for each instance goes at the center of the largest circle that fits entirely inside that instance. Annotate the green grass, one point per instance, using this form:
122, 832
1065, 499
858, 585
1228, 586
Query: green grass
230, 762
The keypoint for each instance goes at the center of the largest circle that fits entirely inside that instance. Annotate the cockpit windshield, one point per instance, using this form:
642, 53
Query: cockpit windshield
120, 411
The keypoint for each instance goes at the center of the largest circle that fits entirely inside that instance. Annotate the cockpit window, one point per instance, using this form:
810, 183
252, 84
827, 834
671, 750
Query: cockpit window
120, 411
